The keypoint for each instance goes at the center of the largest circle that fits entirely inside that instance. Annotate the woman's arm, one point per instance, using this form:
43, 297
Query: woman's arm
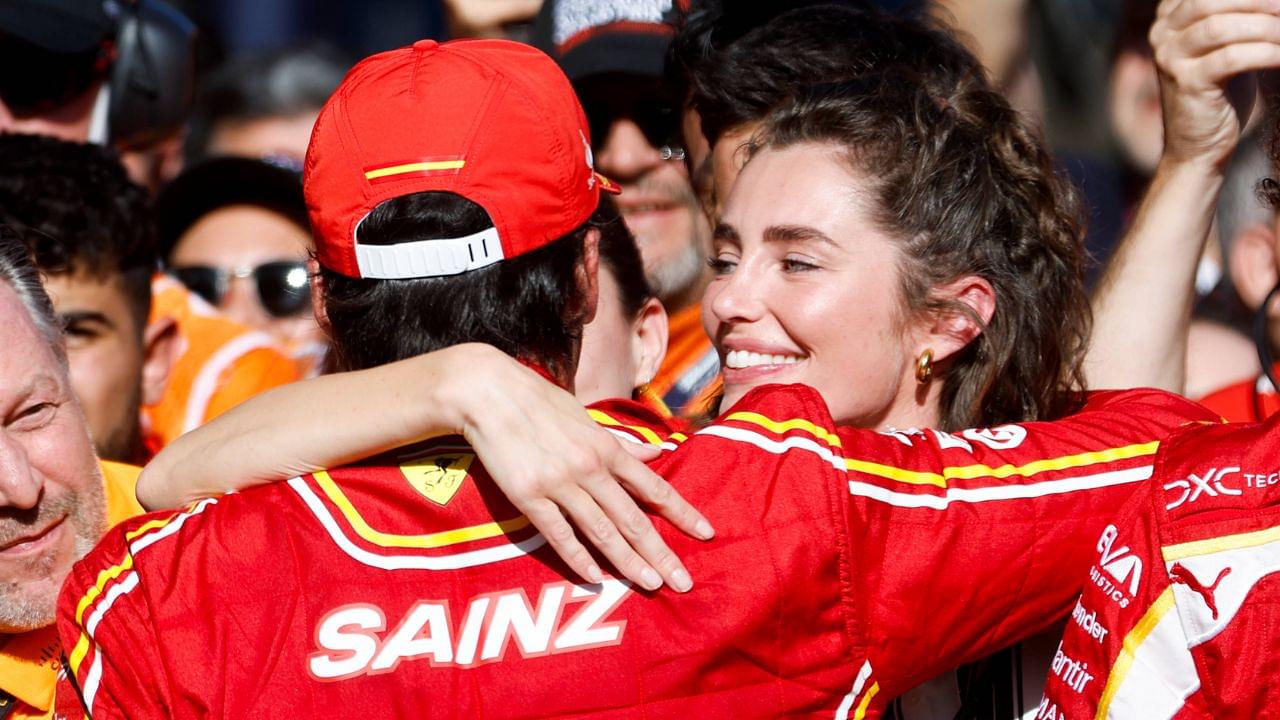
537, 442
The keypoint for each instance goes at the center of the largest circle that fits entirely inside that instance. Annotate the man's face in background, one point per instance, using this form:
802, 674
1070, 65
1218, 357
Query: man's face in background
636, 143
105, 351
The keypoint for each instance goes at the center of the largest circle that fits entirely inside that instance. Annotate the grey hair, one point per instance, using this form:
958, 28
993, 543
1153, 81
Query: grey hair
19, 272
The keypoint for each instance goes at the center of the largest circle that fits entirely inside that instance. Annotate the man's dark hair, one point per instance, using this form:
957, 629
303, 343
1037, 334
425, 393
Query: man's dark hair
744, 79
75, 207
277, 83
528, 306
35, 80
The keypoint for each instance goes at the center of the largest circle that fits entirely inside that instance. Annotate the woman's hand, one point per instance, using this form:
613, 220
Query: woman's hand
556, 464
536, 441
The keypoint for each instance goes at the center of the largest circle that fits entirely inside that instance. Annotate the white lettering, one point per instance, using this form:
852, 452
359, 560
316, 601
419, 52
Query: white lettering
407, 643
1119, 562
1074, 674
1107, 587
1049, 711
1088, 621
584, 630
345, 653
947, 441
469, 638
1005, 437
1261, 480
350, 641
512, 615
1210, 483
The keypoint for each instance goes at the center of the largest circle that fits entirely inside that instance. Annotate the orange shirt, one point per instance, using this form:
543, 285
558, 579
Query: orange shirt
220, 365
29, 663
688, 379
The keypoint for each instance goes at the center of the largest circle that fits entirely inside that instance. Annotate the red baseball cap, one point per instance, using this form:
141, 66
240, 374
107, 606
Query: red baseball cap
491, 120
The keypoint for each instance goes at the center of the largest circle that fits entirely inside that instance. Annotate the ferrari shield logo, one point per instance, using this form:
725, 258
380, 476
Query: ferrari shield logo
438, 477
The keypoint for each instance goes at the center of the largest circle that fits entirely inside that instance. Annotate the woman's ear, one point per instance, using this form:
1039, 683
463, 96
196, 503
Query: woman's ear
649, 341
1252, 263
952, 329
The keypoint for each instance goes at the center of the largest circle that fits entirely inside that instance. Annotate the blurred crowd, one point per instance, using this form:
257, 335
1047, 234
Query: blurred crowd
971, 228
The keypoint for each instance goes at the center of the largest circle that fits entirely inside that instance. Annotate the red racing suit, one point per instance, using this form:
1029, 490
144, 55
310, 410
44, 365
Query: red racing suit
848, 566
1180, 617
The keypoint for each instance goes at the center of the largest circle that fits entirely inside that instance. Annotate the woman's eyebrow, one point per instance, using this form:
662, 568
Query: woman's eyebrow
725, 231
793, 233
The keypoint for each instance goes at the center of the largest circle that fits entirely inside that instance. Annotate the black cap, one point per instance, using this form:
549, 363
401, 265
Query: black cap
59, 26
593, 37
223, 181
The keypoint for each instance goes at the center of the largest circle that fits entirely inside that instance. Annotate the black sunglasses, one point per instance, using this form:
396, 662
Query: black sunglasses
607, 99
283, 285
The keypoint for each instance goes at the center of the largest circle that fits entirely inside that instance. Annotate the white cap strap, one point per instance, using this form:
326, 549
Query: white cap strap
429, 258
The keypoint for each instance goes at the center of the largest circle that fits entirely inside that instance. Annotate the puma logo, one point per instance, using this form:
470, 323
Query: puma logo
1181, 574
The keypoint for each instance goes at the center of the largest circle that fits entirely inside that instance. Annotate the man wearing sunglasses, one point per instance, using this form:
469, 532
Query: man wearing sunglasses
234, 232
613, 52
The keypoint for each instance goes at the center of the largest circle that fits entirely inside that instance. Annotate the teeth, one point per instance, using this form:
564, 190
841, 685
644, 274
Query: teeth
743, 359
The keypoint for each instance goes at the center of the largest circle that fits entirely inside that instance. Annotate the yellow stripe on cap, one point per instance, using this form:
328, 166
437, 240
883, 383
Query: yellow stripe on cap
415, 167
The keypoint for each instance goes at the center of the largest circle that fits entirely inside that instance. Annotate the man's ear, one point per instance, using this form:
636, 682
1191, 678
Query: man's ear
161, 346
951, 330
317, 296
649, 341
1252, 263
587, 275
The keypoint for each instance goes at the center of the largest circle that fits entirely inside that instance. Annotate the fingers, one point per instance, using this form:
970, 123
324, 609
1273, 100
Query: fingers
548, 519
1181, 13
1236, 59
1218, 31
658, 494
627, 537
641, 451
612, 541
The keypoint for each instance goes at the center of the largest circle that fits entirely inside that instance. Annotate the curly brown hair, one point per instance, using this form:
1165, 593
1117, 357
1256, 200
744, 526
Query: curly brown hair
970, 189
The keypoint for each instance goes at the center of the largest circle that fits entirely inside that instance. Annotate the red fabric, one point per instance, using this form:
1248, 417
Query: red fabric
502, 109
1242, 401
1202, 627
849, 565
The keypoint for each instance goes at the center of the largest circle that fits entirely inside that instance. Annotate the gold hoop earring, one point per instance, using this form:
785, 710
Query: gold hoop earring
924, 367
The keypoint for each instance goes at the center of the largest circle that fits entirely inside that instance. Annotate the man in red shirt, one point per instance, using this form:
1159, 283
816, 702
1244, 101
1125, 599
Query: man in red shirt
849, 565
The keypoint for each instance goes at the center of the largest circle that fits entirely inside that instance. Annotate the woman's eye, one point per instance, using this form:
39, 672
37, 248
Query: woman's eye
797, 265
721, 266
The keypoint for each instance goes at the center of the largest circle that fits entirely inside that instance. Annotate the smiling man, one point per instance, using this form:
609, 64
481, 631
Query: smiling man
55, 499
